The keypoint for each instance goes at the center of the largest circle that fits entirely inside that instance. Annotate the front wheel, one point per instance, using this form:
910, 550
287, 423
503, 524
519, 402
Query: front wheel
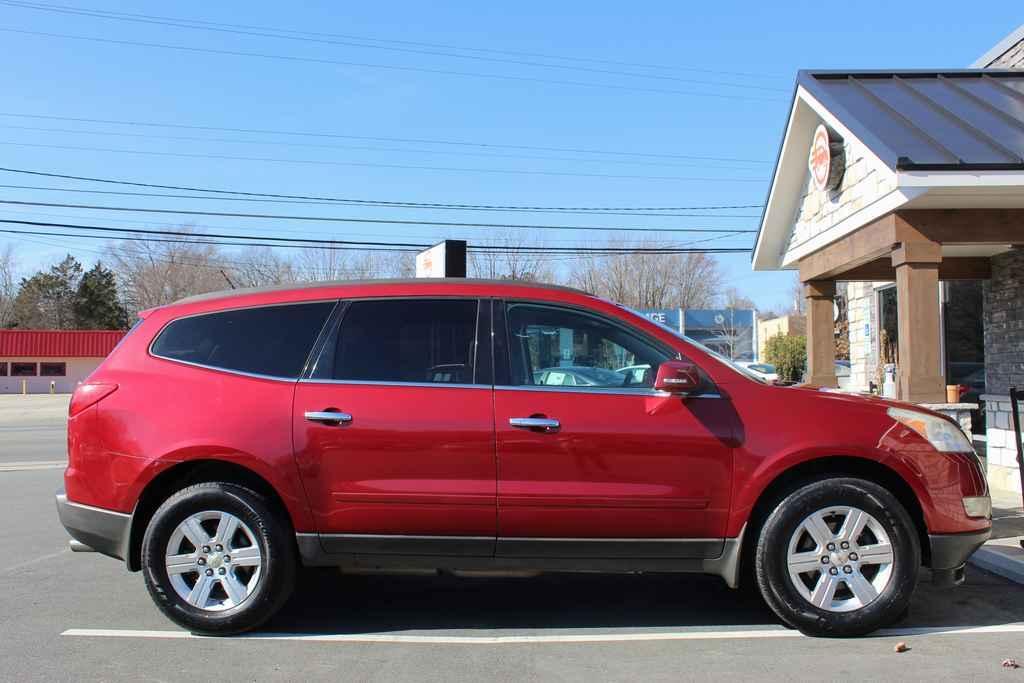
217, 559
838, 557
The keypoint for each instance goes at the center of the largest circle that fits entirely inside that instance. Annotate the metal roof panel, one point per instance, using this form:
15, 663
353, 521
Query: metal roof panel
953, 120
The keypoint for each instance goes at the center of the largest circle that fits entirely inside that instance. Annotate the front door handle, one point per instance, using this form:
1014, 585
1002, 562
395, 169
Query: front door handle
545, 424
328, 416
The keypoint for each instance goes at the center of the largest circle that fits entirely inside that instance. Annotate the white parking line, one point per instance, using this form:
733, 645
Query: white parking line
33, 465
552, 638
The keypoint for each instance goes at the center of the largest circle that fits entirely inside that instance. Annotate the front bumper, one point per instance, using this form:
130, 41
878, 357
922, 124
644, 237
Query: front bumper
949, 554
105, 531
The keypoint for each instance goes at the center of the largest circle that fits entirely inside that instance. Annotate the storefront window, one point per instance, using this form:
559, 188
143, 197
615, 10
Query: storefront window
964, 337
53, 369
23, 369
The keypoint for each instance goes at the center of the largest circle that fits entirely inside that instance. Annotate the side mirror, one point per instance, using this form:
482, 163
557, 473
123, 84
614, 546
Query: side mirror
677, 377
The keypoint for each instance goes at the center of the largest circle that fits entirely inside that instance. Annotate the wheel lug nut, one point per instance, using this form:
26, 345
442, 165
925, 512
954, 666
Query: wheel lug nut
222, 571
844, 545
848, 569
219, 547
201, 561
227, 558
209, 572
831, 547
206, 549
833, 571
853, 556
824, 560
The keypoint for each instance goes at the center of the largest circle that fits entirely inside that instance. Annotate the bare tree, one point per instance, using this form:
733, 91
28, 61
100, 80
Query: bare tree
321, 265
259, 267
650, 280
510, 261
157, 273
8, 284
796, 291
732, 298
732, 336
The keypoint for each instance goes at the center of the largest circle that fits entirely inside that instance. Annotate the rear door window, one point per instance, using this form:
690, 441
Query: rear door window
269, 340
418, 341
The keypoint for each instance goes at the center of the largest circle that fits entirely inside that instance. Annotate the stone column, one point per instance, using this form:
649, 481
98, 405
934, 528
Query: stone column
917, 306
821, 343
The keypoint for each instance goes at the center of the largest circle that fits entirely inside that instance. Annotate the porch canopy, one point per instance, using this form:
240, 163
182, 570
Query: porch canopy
911, 176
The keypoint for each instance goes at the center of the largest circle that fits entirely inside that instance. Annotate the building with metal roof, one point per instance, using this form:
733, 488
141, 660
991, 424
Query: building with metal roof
902, 192
43, 361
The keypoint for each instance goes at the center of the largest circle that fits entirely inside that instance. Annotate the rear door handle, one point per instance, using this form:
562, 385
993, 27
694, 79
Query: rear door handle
540, 423
328, 416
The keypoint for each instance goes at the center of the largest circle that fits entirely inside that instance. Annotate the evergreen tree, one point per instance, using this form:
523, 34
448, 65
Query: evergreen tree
96, 304
46, 300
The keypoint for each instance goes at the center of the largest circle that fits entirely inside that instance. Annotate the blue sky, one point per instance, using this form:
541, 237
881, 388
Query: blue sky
721, 89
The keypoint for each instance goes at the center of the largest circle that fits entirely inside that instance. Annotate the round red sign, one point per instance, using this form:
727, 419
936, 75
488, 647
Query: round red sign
820, 160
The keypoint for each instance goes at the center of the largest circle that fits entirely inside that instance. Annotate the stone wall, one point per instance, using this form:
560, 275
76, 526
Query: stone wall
1004, 323
1004, 363
865, 180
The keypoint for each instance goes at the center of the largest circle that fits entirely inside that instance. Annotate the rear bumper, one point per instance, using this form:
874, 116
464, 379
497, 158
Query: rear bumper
950, 553
105, 531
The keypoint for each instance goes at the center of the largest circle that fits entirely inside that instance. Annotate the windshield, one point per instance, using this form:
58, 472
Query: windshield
731, 364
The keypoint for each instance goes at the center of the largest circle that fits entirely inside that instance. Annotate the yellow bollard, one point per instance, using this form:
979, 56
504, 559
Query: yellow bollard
24, 387
53, 387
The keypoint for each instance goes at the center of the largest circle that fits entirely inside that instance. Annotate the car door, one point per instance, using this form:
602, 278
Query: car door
611, 468
394, 431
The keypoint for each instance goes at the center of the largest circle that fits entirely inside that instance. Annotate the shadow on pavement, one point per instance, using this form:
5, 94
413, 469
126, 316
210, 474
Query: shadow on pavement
326, 601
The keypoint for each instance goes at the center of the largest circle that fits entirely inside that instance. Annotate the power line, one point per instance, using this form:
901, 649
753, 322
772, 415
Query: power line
365, 164
164, 195
273, 33
373, 202
257, 230
427, 141
387, 67
308, 243
332, 219
416, 43
322, 146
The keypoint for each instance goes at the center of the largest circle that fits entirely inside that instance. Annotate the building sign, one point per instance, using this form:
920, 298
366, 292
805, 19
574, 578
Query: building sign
444, 259
827, 160
671, 318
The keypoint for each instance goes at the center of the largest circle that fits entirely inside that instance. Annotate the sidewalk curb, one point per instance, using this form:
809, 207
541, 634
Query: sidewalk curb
1004, 561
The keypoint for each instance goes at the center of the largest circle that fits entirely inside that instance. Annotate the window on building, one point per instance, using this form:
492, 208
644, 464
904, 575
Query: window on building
405, 340
23, 369
3, 369
53, 369
269, 340
554, 346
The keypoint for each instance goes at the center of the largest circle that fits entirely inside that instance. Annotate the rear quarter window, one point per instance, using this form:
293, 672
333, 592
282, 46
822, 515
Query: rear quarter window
269, 340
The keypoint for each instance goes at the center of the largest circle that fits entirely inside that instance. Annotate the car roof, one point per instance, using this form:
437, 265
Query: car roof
406, 283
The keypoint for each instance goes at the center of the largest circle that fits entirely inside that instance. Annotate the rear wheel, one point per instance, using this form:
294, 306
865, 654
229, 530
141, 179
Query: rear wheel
838, 557
217, 559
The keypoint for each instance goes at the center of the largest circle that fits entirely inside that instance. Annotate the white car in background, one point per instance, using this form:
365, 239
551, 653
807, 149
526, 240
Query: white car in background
764, 370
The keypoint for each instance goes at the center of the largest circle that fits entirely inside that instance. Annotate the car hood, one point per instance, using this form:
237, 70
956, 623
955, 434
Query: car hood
857, 399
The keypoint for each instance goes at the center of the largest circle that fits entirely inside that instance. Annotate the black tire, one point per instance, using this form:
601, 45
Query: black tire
772, 571
272, 533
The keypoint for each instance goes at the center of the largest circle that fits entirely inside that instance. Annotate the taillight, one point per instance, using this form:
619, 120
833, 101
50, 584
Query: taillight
88, 394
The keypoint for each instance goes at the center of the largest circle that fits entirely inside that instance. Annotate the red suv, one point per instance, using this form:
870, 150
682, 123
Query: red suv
464, 425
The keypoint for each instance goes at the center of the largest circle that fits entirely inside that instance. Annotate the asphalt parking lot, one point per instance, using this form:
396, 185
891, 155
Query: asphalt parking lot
83, 617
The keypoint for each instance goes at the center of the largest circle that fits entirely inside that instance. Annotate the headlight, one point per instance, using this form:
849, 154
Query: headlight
939, 432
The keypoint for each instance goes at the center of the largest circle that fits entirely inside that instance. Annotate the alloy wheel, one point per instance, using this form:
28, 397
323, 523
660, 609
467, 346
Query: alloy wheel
840, 559
213, 560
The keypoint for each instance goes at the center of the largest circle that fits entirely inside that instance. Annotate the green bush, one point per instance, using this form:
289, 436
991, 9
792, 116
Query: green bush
789, 356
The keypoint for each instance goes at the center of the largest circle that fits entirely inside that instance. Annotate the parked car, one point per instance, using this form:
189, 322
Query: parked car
581, 376
232, 438
765, 370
